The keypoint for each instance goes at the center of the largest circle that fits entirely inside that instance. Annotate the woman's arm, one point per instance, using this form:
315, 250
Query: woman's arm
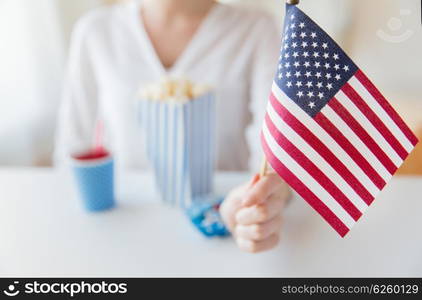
79, 109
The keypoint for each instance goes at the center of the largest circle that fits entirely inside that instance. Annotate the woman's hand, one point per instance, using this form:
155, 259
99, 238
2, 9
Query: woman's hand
252, 212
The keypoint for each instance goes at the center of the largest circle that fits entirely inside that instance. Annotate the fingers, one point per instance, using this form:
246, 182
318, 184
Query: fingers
262, 189
231, 206
260, 213
252, 212
259, 232
258, 246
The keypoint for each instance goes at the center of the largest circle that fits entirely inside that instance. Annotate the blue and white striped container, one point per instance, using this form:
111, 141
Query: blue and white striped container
179, 138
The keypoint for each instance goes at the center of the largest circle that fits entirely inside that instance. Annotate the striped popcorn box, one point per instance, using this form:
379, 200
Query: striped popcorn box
179, 139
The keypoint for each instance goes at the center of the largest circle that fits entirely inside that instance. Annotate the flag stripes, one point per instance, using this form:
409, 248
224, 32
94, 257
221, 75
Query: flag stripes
323, 166
364, 123
355, 141
362, 91
365, 165
343, 113
318, 139
312, 169
373, 118
319, 196
375, 93
303, 190
301, 145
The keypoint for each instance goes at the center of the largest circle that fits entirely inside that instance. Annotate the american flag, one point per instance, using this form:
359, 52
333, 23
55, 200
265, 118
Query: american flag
328, 131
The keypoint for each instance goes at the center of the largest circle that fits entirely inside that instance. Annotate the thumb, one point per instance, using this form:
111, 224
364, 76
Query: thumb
254, 180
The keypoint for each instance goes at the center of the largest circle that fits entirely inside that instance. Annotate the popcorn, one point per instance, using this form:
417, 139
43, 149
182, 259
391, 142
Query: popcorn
170, 90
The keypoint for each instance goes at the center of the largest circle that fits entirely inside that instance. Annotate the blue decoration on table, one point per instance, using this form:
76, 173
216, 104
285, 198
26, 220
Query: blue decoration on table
205, 216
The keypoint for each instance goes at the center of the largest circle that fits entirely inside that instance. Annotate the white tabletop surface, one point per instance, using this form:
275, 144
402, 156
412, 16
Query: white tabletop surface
45, 232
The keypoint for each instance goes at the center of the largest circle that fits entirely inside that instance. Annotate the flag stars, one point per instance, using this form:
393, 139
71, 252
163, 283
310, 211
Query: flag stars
311, 67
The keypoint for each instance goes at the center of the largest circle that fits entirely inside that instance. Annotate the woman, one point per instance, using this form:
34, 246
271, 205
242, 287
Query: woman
115, 50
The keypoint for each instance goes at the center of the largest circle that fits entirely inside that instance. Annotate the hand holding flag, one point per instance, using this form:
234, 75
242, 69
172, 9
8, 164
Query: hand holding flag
252, 212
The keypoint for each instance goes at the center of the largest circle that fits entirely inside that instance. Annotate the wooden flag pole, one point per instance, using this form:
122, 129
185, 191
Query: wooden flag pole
264, 167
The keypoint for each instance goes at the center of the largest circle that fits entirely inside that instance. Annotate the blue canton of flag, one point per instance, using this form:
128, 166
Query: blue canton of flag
312, 67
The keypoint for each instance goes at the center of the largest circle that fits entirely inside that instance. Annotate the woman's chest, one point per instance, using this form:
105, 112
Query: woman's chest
123, 68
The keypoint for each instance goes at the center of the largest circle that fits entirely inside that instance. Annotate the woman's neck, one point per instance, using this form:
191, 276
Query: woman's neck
171, 25
167, 9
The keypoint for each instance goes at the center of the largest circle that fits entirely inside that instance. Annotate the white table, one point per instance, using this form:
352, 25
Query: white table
45, 232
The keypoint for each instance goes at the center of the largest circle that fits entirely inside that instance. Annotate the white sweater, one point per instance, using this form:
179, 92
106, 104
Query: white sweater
111, 57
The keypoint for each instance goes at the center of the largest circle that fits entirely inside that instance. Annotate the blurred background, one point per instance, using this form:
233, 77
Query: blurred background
383, 37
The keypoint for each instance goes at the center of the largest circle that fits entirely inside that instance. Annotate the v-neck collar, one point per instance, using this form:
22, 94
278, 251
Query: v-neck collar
188, 53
